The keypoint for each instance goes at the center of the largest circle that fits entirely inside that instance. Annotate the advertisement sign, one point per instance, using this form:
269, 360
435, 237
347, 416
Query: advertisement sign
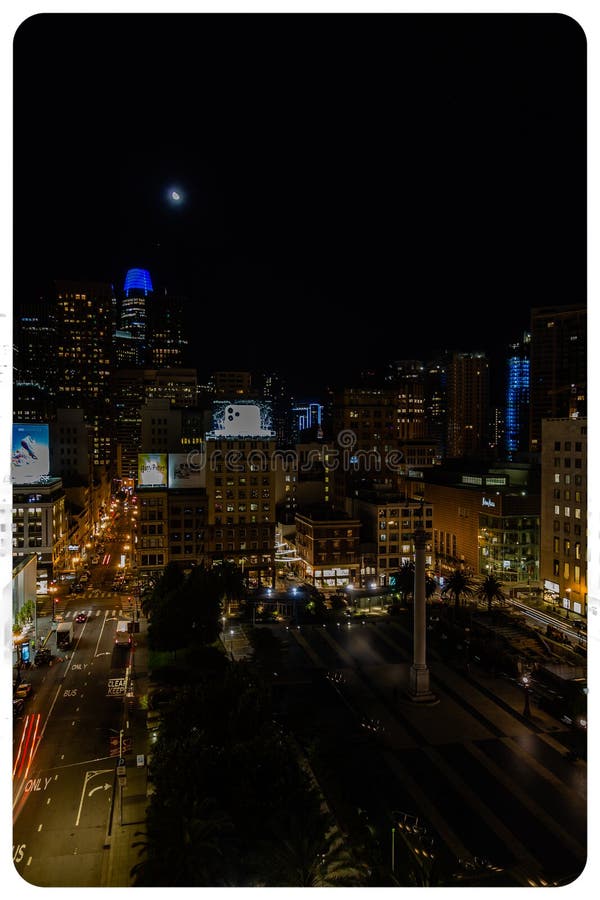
152, 469
186, 470
241, 419
30, 460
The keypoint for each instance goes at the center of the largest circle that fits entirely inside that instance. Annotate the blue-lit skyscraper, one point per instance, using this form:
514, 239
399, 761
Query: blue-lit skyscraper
517, 397
137, 290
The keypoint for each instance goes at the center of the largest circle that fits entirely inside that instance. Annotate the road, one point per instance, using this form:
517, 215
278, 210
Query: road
489, 781
64, 775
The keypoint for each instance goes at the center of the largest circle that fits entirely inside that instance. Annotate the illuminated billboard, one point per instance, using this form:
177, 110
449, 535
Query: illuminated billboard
152, 469
30, 460
241, 419
186, 470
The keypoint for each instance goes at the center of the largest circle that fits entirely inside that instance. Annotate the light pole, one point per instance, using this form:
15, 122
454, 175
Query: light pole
526, 708
419, 690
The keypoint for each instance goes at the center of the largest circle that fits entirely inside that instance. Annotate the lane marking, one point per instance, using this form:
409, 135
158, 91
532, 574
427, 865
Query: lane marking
28, 863
48, 801
40, 827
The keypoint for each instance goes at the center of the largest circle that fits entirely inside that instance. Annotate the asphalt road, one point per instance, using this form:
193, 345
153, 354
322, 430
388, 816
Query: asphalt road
64, 775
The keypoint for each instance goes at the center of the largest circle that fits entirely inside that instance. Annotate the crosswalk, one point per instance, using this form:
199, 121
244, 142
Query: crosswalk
90, 613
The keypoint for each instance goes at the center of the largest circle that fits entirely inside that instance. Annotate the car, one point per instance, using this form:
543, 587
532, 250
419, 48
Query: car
23, 691
81, 617
18, 708
95, 560
84, 579
42, 657
78, 588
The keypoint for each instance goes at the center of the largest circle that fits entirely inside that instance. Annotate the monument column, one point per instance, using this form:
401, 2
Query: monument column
419, 690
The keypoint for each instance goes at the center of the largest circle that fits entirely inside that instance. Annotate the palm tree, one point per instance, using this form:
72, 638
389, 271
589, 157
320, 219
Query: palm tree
306, 857
459, 586
490, 589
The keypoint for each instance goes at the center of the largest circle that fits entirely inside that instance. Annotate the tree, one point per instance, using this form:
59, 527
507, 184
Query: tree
459, 586
430, 587
267, 651
309, 853
404, 580
490, 589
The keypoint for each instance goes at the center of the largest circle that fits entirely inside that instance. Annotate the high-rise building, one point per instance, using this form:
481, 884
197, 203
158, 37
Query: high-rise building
436, 403
468, 397
516, 417
241, 485
83, 357
558, 372
130, 389
35, 346
275, 390
564, 513
165, 333
306, 416
231, 384
136, 292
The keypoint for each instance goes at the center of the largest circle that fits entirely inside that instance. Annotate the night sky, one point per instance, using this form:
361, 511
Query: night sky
426, 171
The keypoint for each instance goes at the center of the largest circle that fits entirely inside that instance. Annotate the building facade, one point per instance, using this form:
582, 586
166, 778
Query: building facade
564, 513
486, 520
241, 493
558, 373
388, 524
468, 399
84, 357
40, 524
328, 547
516, 417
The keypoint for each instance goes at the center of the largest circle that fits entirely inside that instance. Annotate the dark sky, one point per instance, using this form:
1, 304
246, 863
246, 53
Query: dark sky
357, 187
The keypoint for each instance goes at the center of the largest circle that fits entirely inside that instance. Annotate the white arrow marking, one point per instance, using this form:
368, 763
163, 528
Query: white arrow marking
100, 787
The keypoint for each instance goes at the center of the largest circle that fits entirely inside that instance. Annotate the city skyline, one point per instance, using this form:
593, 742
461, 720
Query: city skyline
430, 184
298, 491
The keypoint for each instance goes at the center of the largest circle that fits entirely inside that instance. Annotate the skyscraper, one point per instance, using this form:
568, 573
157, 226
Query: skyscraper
516, 417
35, 358
165, 333
137, 289
83, 356
558, 372
468, 397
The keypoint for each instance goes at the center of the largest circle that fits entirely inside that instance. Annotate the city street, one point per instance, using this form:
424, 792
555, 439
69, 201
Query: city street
64, 773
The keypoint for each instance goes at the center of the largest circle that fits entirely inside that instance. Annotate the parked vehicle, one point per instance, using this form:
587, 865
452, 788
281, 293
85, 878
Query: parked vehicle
18, 708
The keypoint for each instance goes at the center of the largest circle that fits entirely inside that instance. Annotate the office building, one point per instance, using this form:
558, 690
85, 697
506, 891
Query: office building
130, 389
241, 477
388, 523
166, 332
137, 291
187, 532
229, 385
564, 513
39, 525
468, 398
486, 519
516, 418
558, 371
84, 347
328, 546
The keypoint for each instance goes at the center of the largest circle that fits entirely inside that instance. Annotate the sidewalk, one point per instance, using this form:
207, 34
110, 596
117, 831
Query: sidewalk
128, 817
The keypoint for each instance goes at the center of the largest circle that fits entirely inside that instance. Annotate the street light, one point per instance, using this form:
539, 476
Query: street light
525, 680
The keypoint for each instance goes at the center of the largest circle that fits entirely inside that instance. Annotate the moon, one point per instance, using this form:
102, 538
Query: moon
175, 195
